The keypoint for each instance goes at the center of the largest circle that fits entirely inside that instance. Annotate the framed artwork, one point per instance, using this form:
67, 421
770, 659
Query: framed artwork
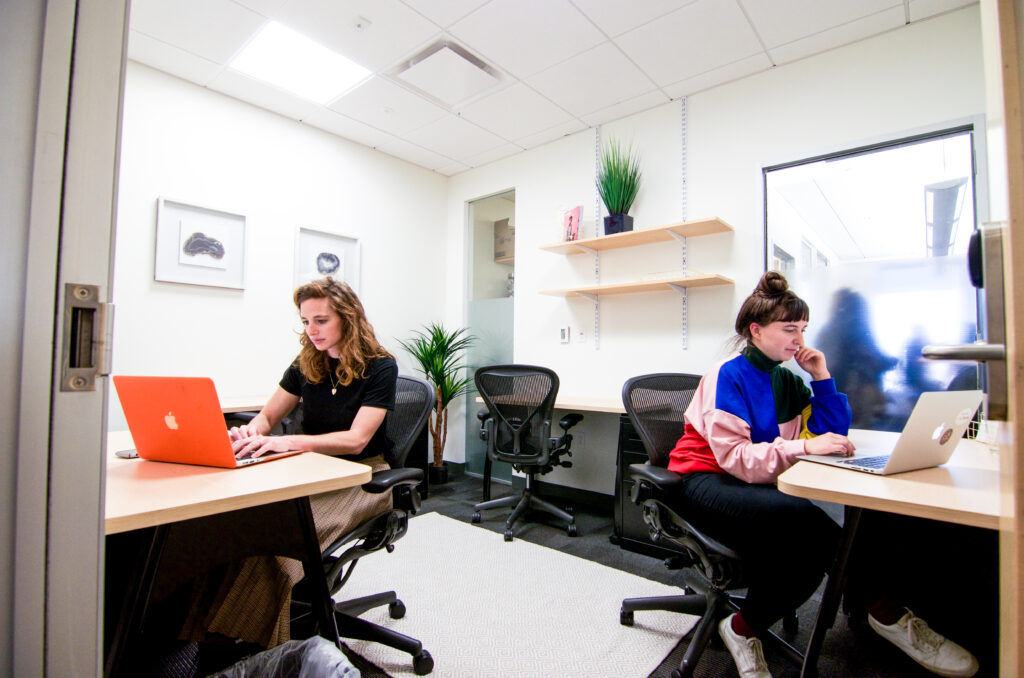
199, 246
319, 254
571, 223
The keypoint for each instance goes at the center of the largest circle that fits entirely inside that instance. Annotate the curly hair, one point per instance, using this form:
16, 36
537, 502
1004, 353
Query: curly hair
358, 344
771, 301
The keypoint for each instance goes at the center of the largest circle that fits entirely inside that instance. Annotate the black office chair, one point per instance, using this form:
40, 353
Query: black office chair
520, 402
655, 404
414, 400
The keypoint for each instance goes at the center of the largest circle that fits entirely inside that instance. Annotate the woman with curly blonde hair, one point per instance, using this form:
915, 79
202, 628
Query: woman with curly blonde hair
345, 381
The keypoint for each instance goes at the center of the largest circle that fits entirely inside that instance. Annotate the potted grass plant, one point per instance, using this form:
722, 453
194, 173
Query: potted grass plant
439, 353
618, 180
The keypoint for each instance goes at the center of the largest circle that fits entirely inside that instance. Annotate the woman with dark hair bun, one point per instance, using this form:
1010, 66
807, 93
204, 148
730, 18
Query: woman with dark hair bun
749, 420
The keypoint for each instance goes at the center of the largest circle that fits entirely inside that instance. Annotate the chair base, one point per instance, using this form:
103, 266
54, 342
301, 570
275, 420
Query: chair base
351, 626
528, 500
712, 607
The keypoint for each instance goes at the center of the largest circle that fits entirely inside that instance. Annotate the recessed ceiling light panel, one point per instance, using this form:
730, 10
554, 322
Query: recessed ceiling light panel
289, 60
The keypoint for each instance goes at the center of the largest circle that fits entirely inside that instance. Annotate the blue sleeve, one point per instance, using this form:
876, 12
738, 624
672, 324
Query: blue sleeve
830, 409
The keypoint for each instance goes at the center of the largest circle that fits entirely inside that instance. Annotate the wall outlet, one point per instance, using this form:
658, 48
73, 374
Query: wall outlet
564, 334
581, 335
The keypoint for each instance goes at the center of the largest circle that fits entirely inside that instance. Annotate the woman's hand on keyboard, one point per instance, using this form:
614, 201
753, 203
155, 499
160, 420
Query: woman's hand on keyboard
829, 443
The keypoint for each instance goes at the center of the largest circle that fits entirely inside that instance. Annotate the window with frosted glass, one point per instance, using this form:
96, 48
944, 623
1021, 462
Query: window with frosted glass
876, 242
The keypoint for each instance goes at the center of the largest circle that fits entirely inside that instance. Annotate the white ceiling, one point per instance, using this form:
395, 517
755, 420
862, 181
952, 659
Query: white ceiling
561, 66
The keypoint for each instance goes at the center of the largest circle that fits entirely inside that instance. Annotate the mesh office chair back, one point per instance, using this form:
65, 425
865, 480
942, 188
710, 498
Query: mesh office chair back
655, 404
414, 400
521, 399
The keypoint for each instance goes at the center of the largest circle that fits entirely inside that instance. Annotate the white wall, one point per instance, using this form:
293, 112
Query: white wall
922, 76
195, 146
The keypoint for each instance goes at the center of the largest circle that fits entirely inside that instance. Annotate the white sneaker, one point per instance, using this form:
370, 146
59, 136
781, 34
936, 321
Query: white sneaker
931, 650
746, 652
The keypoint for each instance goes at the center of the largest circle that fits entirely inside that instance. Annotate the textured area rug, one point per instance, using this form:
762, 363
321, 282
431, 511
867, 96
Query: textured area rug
485, 607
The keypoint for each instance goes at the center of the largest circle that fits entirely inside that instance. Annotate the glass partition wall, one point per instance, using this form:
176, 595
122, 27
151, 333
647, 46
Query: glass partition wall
489, 310
875, 240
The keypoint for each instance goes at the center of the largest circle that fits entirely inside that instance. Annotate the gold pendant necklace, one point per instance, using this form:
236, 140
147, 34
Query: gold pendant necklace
334, 384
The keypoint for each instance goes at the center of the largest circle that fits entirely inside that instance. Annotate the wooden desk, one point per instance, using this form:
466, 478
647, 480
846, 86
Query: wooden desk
196, 517
965, 490
144, 493
243, 404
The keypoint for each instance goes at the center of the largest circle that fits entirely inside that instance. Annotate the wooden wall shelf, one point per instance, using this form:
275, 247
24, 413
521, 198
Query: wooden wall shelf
662, 284
683, 229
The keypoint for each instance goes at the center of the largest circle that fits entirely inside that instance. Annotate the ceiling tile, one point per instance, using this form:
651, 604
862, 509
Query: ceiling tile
615, 17
343, 126
169, 59
840, 35
444, 12
526, 37
260, 94
643, 102
415, 154
922, 9
455, 138
212, 29
783, 21
382, 104
692, 40
394, 30
264, 7
452, 169
503, 151
593, 80
514, 112
551, 134
718, 76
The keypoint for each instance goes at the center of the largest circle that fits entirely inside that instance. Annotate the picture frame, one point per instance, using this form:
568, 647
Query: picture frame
322, 253
571, 223
199, 246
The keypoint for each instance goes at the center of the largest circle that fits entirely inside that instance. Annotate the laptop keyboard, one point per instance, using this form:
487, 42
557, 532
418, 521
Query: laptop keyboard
868, 462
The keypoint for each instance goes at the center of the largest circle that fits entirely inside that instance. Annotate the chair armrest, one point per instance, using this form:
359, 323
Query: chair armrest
483, 414
570, 420
661, 478
382, 481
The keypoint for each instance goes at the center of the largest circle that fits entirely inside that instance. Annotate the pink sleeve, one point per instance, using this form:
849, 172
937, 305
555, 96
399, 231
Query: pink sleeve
729, 439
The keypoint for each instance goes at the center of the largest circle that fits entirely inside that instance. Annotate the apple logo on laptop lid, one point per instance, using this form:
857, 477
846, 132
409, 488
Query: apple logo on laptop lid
171, 421
942, 433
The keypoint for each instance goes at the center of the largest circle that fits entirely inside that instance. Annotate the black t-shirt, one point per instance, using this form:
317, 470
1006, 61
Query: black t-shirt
324, 412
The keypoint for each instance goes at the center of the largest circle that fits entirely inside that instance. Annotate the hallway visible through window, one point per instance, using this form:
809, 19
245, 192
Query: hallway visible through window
875, 241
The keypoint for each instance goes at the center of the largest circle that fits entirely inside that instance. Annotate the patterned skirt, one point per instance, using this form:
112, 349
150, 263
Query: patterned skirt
253, 598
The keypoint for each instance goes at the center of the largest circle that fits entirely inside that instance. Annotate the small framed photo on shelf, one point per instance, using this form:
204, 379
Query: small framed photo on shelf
571, 223
199, 246
319, 254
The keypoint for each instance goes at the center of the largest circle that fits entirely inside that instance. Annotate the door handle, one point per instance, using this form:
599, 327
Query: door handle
978, 351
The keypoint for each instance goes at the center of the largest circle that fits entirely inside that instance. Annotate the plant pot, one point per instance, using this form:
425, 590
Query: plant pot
437, 475
617, 223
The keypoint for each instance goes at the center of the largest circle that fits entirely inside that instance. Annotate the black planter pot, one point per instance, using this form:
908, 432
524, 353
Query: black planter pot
617, 223
437, 475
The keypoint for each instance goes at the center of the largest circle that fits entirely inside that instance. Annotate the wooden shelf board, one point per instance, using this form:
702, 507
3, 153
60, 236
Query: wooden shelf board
505, 260
642, 237
701, 280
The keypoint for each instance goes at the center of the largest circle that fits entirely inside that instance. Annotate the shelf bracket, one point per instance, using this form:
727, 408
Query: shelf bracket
588, 250
587, 295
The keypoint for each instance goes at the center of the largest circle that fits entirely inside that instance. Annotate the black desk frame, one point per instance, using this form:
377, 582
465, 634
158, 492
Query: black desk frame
170, 554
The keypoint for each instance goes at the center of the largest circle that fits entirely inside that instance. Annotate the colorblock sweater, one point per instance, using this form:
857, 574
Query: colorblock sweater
750, 416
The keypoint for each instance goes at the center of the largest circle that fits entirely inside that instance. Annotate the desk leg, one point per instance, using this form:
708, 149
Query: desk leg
487, 478
313, 568
833, 594
132, 608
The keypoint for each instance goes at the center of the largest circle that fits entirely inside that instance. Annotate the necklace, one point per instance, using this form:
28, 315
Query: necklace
334, 384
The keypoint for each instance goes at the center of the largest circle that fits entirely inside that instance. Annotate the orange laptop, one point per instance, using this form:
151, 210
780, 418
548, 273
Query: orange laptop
178, 419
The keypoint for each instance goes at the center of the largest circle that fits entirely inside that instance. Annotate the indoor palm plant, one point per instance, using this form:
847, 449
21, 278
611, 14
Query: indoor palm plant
439, 353
618, 180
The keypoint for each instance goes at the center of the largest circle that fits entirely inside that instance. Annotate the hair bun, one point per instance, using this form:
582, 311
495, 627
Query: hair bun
771, 284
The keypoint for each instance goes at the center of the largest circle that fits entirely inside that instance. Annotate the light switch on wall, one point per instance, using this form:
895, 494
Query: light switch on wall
581, 335
564, 334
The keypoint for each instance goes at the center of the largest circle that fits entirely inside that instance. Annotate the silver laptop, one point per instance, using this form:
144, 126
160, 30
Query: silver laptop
933, 431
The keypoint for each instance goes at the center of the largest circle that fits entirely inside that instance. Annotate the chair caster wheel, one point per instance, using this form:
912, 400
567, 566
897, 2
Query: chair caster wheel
475, 518
625, 618
790, 623
396, 609
677, 674
571, 530
508, 535
422, 663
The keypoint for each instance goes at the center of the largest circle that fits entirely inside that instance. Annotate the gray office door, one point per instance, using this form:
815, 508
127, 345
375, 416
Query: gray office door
62, 418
